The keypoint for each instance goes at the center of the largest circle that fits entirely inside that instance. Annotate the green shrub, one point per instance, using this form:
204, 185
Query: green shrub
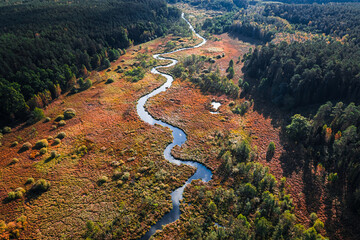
110, 80
11, 196
41, 185
49, 138
69, 113
82, 149
43, 151
56, 141
53, 154
313, 217
43, 143
20, 189
18, 193
271, 150
102, 180
14, 161
59, 118
87, 84
62, 123
125, 176
30, 181
36, 115
26, 146
61, 135
136, 74
117, 174
333, 177
47, 120
7, 130
318, 225
14, 144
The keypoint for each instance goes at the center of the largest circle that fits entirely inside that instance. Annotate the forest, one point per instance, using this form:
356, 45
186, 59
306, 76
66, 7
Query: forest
331, 139
299, 74
225, 5
44, 46
305, 75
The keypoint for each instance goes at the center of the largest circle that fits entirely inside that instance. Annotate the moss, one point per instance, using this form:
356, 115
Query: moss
69, 113
41, 144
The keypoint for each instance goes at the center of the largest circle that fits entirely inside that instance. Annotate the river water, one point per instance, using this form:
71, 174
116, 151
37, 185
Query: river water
179, 138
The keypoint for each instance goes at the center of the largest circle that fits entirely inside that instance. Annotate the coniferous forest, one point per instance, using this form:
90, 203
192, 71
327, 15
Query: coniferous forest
44, 45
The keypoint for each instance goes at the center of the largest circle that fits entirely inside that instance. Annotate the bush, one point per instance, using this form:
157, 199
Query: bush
333, 177
61, 135
41, 144
56, 141
7, 130
26, 146
11, 196
102, 180
125, 176
86, 85
30, 181
18, 193
41, 185
62, 123
318, 225
47, 120
14, 144
110, 80
117, 174
36, 115
59, 118
313, 217
69, 113
271, 149
14, 161
43, 151
242, 109
53, 154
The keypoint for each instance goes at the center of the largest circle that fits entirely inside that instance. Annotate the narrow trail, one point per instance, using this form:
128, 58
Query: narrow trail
179, 137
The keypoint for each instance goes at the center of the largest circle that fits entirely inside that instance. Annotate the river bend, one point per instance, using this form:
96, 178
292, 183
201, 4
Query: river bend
179, 138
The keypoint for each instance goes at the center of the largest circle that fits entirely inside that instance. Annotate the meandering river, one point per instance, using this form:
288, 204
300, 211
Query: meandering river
179, 138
